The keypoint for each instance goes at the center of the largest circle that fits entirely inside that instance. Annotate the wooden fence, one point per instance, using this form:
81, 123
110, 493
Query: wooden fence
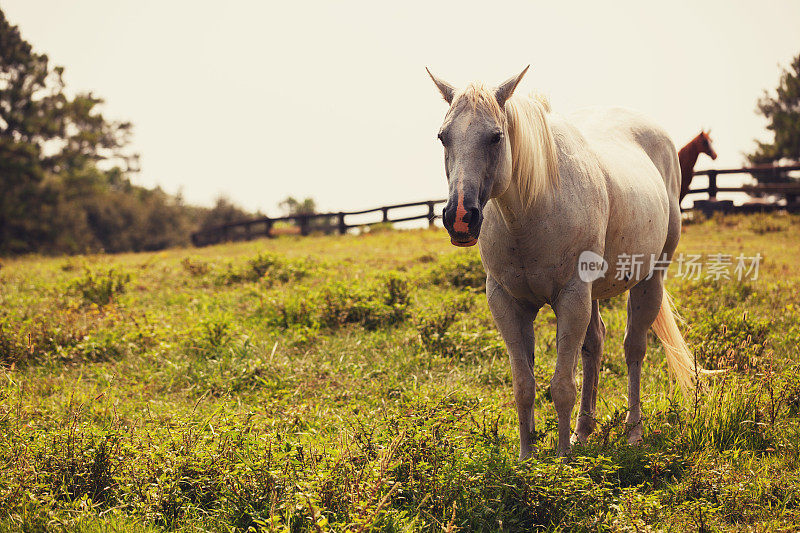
324, 222
337, 222
790, 190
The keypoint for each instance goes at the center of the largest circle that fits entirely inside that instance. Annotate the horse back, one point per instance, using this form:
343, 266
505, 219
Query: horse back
642, 182
630, 146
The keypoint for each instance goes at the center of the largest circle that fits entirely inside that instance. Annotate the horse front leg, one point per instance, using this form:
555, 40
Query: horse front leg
515, 323
573, 309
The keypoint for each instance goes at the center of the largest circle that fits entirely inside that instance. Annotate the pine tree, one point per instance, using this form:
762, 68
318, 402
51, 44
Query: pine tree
782, 111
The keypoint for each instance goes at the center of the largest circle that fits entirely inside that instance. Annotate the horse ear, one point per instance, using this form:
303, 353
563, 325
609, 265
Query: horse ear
447, 90
506, 89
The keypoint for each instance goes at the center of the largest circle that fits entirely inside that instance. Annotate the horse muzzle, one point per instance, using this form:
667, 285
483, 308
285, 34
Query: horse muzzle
462, 223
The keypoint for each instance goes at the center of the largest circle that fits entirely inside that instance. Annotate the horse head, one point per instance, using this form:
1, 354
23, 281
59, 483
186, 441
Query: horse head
477, 153
704, 144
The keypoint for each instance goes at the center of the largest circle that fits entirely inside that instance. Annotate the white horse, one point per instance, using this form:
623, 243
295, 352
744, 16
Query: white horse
538, 193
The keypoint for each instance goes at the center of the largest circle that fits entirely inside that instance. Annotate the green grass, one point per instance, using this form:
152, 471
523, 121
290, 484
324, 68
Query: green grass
358, 383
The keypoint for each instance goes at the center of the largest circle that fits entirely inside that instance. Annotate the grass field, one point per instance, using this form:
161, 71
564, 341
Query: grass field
357, 383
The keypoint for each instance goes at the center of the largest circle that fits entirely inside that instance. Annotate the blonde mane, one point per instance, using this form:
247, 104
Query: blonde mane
533, 148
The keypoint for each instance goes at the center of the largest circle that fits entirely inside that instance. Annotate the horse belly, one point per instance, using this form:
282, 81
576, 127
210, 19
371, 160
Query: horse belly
635, 238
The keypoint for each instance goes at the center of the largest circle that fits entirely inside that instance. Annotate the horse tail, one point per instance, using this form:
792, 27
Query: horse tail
680, 361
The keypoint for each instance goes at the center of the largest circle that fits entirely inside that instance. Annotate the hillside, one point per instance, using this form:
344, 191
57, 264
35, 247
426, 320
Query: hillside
358, 383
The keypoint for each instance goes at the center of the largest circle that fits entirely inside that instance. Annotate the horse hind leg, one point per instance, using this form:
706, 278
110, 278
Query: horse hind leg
644, 303
591, 353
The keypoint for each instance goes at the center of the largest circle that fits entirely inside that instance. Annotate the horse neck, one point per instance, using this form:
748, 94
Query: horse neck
688, 155
515, 210
512, 206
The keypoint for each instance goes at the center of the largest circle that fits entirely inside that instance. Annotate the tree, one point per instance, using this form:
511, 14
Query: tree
292, 206
68, 132
223, 212
64, 168
46, 138
782, 111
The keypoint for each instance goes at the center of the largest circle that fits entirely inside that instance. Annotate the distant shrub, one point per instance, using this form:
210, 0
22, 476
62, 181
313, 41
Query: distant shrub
459, 270
30, 341
426, 258
727, 220
69, 336
397, 291
293, 309
101, 286
383, 304
702, 298
378, 303
195, 267
762, 223
68, 266
693, 217
730, 339
216, 333
433, 324
436, 336
382, 227
268, 268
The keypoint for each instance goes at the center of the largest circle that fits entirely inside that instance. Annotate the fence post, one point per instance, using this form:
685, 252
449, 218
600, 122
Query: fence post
431, 214
303, 220
712, 185
248, 236
342, 225
385, 214
268, 228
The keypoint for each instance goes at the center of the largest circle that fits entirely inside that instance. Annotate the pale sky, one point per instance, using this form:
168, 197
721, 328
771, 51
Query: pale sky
261, 100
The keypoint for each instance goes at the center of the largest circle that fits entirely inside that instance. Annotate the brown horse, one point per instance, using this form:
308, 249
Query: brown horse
688, 157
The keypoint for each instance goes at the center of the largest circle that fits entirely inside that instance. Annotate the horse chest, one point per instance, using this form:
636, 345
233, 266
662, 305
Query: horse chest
523, 269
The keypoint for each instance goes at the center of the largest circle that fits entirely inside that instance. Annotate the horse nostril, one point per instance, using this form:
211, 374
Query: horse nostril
472, 215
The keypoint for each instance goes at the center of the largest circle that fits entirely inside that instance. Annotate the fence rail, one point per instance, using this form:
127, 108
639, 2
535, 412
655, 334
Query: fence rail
791, 190
306, 223
336, 222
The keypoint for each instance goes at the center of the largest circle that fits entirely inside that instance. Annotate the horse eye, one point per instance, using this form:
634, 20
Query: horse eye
496, 137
